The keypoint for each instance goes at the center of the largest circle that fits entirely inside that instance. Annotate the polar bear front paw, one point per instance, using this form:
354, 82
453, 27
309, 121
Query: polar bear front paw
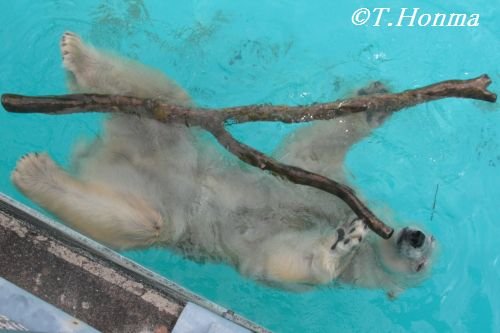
349, 236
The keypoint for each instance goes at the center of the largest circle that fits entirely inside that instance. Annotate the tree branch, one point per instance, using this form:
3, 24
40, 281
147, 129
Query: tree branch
161, 111
214, 120
298, 176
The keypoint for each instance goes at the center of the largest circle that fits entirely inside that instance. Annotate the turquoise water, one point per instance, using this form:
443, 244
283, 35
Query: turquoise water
239, 52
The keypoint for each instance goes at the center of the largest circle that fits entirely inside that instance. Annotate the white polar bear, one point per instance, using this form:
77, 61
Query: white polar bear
144, 184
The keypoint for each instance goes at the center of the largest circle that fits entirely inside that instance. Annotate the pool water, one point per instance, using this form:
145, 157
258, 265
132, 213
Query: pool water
436, 165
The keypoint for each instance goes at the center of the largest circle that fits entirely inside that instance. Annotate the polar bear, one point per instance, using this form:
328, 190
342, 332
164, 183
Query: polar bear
143, 183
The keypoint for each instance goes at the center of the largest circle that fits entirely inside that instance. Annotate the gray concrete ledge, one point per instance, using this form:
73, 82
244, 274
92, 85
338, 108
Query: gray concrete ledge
88, 280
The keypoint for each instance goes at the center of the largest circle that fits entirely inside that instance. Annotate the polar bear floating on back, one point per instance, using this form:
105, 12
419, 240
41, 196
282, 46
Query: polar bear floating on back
143, 183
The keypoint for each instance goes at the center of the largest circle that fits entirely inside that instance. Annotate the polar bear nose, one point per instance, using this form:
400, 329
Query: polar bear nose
416, 238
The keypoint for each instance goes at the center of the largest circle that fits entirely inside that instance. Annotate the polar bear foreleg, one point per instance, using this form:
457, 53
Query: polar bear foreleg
300, 257
120, 220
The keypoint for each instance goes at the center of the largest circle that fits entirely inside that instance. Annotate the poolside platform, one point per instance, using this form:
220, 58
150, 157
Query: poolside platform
91, 287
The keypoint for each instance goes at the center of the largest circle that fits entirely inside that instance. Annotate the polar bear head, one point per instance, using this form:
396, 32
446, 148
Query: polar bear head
393, 264
407, 256
415, 250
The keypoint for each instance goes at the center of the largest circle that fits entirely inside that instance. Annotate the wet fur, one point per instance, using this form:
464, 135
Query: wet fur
144, 184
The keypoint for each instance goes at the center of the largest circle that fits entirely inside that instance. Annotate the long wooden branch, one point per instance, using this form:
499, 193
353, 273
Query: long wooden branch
65, 104
214, 120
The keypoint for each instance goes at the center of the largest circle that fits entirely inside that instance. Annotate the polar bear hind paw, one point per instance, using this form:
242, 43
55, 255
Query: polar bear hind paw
34, 172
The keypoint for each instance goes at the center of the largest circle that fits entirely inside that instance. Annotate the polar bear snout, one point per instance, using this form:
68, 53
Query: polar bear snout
415, 238
415, 244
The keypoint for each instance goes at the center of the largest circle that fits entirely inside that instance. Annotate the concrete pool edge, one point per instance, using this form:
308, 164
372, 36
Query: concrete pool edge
115, 270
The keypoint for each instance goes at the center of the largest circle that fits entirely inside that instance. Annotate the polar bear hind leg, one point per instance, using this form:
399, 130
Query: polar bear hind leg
120, 220
94, 71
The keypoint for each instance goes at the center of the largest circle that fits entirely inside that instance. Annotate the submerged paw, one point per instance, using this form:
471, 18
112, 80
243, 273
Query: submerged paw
73, 51
349, 235
357, 229
375, 87
32, 169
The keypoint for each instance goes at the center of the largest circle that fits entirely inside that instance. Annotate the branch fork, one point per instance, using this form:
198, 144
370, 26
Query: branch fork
214, 121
